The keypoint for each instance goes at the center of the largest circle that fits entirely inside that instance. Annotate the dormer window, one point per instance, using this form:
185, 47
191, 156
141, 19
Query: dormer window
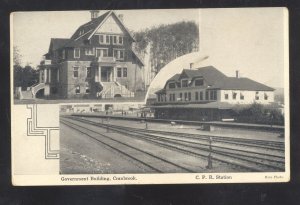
184, 83
171, 85
199, 82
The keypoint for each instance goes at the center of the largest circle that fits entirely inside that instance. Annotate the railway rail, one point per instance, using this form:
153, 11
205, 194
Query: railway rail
200, 146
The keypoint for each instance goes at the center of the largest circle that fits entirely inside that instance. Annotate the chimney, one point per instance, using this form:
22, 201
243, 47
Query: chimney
94, 14
191, 65
237, 75
121, 17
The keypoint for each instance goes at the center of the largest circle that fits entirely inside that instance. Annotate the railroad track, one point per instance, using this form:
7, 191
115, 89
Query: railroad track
147, 159
254, 161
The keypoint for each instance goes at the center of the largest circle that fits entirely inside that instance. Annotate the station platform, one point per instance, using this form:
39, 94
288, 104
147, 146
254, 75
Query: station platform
211, 124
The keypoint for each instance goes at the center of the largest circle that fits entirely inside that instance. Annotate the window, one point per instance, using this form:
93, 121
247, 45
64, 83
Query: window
119, 72
107, 40
125, 72
77, 89
89, 51
75, 72
102, 52
87, 89
199, 82
242, 96
119, 54
63, 54
190, 96
226, 96
170, 97
120, 40
180, 96
184, 83
158, 98
201, 95
206, 95
215, 95
101, 38
185, 97
196, 96
76, 53
88, 72
256, 95
115, 39
266, 96
171, 85
234, 94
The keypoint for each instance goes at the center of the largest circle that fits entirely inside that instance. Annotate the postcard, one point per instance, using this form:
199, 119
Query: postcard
162, 96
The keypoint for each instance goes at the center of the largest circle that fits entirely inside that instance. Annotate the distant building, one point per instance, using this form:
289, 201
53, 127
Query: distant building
96, 62
207, 94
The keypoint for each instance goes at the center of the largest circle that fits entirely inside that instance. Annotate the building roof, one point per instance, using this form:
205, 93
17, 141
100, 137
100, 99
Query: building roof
161, 91
209, 73
233, 83
217, 80
57, 43
91, 25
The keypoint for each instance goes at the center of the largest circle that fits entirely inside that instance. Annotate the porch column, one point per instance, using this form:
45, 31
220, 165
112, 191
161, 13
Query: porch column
49, 75
45, 75
99, 73
40, 76
114, 73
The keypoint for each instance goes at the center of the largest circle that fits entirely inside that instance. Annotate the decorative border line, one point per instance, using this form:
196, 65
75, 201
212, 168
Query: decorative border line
34, 130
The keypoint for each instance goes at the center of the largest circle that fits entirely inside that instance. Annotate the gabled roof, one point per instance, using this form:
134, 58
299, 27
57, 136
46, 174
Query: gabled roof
57, 43
102, 20
90, 28
232, 83
137, 57
175, 77
91, 25
209, 73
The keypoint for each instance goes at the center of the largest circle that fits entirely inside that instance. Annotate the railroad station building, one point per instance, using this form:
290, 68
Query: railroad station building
96, 62
207, 94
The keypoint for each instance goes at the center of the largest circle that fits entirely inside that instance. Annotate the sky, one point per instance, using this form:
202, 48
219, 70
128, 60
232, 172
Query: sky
32, 31
250, 40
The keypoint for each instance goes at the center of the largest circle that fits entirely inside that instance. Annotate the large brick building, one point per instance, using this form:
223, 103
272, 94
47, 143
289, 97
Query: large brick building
96, 62
207, 94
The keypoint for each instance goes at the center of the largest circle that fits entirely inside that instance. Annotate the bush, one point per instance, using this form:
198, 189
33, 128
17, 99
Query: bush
258, 113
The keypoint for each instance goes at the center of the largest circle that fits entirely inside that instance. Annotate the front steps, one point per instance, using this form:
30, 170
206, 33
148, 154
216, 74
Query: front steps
114, 89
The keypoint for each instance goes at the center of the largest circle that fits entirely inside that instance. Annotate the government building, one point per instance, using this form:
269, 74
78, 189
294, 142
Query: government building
96, 62
207, 94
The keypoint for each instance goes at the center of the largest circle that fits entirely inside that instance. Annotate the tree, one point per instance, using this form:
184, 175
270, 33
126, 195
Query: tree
17, 57
167, 42
23, 76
